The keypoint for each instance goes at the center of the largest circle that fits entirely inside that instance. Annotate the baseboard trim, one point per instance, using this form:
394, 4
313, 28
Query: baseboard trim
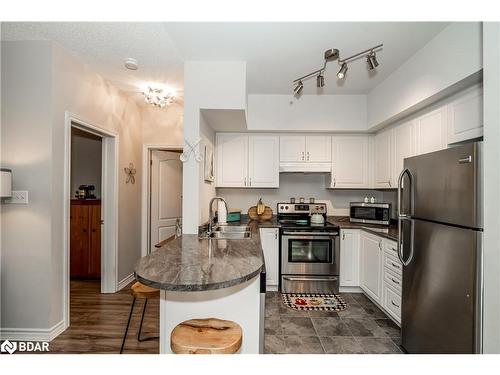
350, 289
127, 280
33, 334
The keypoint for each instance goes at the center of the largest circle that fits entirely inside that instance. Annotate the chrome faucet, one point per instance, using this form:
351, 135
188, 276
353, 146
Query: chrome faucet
211, 213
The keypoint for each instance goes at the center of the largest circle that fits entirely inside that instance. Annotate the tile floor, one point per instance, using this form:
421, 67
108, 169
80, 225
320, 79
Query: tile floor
361, 328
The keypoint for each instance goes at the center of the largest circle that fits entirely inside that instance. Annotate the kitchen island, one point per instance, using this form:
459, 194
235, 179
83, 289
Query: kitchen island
204, 278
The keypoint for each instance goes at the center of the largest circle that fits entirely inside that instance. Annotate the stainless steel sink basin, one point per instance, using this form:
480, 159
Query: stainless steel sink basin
221, 235
231, 228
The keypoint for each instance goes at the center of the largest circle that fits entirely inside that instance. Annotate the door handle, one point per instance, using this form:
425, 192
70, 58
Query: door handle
402, 216
309, 278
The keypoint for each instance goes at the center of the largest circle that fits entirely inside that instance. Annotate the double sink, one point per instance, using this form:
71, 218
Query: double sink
229, 232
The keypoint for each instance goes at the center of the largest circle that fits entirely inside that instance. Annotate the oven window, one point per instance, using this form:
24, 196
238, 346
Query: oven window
370, 213
309, 251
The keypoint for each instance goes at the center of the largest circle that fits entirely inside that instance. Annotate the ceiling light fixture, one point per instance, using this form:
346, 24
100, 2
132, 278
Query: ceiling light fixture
342, 71
297, 90
371, 61
158, 96
131, 64
320, 80
334, 54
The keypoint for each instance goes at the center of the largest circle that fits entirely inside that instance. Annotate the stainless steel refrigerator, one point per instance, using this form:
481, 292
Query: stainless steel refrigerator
440, 232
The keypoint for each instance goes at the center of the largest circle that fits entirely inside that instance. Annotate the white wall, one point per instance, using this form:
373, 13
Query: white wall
491, 239
296, 185
207, 188
451, 56
308, 113
52, 82
86, 161
162, 126
207, 85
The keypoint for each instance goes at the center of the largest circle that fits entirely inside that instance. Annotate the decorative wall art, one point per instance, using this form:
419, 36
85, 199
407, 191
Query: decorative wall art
130, 172
208, 165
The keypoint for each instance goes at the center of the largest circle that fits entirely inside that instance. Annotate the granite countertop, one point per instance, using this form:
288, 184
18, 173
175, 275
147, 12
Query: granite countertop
188, 263
390, 232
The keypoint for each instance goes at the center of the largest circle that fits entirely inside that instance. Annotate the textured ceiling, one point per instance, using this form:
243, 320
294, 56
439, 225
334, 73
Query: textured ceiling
276, 53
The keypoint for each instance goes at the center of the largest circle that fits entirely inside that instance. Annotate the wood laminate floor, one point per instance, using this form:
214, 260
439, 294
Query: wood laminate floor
97, 322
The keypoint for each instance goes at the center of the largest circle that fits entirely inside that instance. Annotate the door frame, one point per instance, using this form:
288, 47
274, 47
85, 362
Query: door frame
109, 199
146, 179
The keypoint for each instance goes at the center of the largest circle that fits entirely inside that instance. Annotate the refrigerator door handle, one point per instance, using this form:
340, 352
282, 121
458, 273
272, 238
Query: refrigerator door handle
403, 216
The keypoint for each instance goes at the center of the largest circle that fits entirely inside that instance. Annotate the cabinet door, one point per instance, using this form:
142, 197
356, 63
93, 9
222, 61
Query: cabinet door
263, 161
318, 148
270, 247
292, 148
431, 131
371, 265
79, 240
383, 160
232, 160
349, 258
404, 146
350, 162
465, 116
94, 269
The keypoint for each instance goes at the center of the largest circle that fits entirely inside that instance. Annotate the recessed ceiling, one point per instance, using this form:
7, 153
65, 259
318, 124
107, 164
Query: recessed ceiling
276, 53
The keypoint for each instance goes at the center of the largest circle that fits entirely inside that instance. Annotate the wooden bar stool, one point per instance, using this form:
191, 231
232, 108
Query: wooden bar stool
206, 336
139, 290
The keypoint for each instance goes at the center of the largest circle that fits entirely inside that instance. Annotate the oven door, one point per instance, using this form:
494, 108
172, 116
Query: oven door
309, 254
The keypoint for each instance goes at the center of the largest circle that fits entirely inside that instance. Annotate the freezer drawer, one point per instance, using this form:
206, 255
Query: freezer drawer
439, 290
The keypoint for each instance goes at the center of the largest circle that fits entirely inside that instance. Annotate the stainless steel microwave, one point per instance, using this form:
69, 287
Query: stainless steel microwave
370, 213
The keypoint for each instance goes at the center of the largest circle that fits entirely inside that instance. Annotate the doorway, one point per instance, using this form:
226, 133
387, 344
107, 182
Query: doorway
164, 196
90, 207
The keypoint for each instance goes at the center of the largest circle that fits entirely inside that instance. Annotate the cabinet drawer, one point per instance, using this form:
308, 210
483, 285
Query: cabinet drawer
392, 303
392, 280
391, 248
392, 263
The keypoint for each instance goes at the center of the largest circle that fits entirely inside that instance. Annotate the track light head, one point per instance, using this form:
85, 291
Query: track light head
331, 54
371, 61
297, 90
342, 72
320, 80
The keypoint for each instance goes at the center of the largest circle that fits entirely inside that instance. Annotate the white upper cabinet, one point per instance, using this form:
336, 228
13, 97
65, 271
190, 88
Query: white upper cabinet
431, 131
232, 160
383, 160
292, 148
404, 146
263, 161
250, 161
350, 162
318, 148
300, 148
465, 116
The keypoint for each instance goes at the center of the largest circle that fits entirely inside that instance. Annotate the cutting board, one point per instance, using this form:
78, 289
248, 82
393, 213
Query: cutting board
266, 215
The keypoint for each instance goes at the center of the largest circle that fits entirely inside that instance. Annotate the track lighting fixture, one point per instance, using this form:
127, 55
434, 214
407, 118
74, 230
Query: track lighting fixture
298, 88
320, 80
371, 61
334, 54
342, 71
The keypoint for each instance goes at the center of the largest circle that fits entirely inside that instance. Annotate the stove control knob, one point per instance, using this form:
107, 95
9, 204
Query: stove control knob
286, 207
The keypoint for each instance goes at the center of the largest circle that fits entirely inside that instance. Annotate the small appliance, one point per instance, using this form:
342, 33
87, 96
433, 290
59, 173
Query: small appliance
370, 213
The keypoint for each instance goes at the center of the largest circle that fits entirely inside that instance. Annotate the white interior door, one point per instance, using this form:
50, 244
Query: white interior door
166, 195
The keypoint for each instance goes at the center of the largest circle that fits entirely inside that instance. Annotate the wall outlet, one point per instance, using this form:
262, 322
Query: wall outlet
18, 197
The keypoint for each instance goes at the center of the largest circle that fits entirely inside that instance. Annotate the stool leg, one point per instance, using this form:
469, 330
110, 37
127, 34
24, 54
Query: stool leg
140, 326
128, 325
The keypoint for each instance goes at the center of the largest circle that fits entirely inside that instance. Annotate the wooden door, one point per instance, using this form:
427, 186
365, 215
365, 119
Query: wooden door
232, 160
318, 149
166, 195
263, 161
94, 264
79, 240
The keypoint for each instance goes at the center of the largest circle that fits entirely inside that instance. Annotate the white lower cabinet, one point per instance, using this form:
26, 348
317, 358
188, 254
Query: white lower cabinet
370, 254
269, 238
393, 281
349, 257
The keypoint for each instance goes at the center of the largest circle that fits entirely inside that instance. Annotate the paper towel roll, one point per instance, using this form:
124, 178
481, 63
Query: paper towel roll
221, 212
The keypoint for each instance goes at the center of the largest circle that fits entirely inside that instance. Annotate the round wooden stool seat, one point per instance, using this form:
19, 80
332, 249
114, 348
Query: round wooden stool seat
206, 336
139, 290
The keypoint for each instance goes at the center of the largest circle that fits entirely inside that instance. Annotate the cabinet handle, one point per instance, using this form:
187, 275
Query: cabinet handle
307, 155
343, 235
275, 235
395, 265
302, 155
245, 181
334, 182
390, 182
380, 245
395, 281
250, 181
394, 304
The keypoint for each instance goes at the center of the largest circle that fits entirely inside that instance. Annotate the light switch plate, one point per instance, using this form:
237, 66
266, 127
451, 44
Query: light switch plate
18, 197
